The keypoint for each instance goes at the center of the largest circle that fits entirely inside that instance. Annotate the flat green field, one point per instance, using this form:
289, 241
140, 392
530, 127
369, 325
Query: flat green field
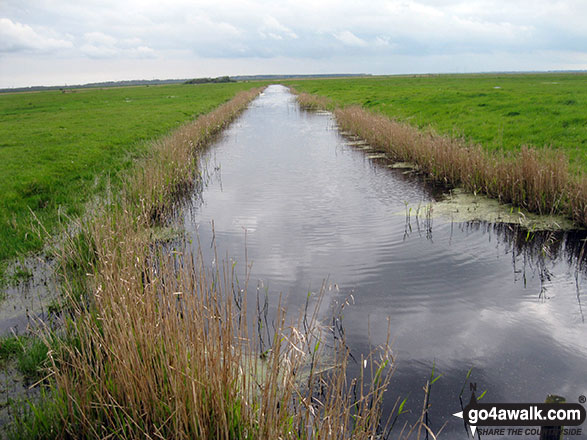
57, 150
501, 112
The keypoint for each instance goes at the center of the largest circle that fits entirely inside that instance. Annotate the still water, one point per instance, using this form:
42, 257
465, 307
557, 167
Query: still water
457, 295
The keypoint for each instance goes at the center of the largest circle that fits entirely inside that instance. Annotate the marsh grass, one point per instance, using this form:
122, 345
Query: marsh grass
538, 180
314, 102
29, 353
167, 354
37, 418
161, 346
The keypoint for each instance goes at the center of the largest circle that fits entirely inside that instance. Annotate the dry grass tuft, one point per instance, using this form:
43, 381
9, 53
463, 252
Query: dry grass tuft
538, 180
172, 170
314, 102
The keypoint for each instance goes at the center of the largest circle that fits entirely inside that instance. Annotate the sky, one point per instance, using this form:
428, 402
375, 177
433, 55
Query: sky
65, 42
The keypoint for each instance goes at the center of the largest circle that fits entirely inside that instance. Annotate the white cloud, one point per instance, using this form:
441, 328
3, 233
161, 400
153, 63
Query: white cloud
142, 52
275, 29
101, 45
382, 40
95, 51
100, 38
15, 36
350, 39
389, 36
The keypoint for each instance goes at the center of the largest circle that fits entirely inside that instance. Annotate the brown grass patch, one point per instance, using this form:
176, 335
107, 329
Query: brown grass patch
538, 180
314, 102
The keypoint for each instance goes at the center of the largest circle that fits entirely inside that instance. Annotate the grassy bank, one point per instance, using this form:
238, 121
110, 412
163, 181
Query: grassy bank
161, 346
500, 112
540, 180
58, 150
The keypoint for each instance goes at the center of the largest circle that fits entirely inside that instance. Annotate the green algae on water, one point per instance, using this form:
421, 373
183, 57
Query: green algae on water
462, 206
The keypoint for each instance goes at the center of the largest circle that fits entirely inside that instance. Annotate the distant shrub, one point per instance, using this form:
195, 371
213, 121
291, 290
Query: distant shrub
220, 79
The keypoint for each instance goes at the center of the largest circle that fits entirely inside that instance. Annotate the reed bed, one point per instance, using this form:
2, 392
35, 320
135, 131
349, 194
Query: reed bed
538, 180
160, 346
309, 101
166, 353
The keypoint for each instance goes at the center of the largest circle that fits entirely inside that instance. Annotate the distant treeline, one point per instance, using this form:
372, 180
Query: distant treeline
220, 79
138, 82
154, 82
292, 76
225, 79
237, 78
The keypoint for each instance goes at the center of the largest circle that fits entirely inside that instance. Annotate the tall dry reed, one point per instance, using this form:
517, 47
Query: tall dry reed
314, 102
538, 180
161, 345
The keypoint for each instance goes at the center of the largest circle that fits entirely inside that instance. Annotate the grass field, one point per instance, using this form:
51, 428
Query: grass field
501, 112
58, 149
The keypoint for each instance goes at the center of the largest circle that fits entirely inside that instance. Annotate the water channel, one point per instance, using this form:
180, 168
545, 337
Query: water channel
458, 296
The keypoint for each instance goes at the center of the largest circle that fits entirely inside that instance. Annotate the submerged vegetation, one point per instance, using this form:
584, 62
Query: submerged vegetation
541, 181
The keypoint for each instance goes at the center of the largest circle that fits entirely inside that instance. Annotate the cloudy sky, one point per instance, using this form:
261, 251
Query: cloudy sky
56, 42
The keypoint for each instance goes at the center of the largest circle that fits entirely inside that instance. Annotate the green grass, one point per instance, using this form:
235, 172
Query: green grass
30, 354
501, 112
33, 359
10, 347
58, 150
39, 418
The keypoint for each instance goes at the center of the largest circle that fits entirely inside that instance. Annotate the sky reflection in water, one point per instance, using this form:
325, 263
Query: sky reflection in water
457, 295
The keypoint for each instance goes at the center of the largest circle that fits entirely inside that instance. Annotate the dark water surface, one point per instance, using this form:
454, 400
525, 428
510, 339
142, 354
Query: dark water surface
458, 295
